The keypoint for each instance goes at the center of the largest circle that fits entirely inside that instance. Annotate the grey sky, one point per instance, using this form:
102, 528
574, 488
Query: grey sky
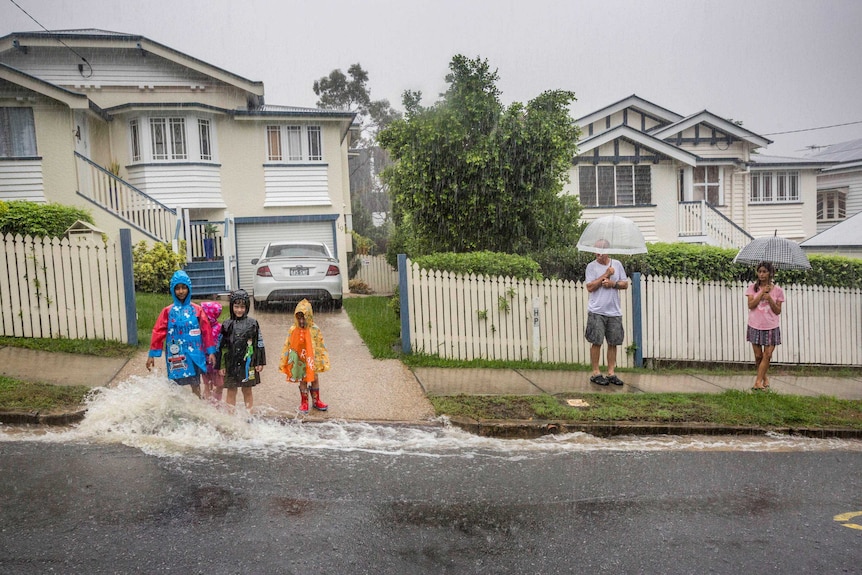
777, 65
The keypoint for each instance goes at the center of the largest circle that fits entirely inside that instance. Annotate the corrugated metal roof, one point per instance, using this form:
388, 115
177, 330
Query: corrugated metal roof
845, 234
761, 160
842, 152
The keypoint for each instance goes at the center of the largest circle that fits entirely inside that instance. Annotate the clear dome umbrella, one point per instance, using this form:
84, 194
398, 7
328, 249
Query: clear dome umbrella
612, 235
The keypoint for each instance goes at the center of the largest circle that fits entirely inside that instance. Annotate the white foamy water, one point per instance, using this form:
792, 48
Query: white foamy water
164, 420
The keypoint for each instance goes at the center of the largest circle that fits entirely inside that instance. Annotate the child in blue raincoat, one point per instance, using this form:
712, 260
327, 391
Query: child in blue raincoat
184, 333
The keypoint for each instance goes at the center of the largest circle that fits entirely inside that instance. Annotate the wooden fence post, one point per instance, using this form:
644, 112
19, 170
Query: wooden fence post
129, 286
403, 297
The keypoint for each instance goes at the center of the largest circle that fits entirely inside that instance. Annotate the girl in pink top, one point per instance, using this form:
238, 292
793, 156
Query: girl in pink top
764, 307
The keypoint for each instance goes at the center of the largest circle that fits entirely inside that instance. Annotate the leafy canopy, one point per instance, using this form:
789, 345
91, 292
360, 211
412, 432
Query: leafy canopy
471, 174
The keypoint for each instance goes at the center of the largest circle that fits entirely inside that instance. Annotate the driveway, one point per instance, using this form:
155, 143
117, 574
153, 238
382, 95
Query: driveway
357, 387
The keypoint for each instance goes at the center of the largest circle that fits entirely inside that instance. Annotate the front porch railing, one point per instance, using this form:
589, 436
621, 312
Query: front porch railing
701, 219
115, 195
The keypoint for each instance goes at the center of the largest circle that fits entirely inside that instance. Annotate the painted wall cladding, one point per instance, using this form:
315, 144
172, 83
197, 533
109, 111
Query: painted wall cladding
297, 186
22, 180
180, 185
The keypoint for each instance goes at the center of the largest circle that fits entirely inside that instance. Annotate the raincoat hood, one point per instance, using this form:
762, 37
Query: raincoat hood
213, 310
305, 308
181, 277
239, 295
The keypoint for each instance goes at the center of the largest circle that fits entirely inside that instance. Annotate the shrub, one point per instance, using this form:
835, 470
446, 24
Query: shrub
359, 286
702, 263
482, 263
39, 220
154, 267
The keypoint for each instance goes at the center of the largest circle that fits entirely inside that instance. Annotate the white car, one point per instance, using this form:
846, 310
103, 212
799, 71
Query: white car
287, 272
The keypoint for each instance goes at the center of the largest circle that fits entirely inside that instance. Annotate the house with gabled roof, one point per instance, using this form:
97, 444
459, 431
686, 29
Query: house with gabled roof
696, 178
163, 143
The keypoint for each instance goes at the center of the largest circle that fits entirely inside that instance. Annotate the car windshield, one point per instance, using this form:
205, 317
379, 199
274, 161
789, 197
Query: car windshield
296, 250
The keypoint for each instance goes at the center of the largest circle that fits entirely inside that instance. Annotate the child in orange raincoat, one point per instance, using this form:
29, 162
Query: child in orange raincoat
304, 356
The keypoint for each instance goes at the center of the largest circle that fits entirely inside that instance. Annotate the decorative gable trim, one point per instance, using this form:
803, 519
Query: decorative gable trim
659, 148
712, 122
649, 109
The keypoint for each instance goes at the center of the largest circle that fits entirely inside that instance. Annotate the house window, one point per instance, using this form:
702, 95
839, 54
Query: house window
626, 185
298, 148
273, 144
17, 133
772, 187
134, 132
204, 139
315, 145
831, 205
294, 143
178, 139
706, 185
169, 139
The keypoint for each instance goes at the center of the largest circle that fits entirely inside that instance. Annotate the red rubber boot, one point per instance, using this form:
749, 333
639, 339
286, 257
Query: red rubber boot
303, 406
315, 395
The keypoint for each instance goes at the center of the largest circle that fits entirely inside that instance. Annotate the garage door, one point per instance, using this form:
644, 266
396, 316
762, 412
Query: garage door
251, 239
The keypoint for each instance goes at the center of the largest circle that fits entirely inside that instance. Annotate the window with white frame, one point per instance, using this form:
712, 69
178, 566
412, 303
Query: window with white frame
134, 133
17, 133
286, 143
706, 185
170, 138
831, 205
625, 185
774, 187
204, 140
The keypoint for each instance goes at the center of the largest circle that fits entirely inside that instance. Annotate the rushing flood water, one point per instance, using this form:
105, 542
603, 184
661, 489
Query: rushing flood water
164, 420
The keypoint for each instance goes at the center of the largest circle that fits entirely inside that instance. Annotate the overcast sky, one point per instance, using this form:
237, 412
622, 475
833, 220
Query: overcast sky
777, 65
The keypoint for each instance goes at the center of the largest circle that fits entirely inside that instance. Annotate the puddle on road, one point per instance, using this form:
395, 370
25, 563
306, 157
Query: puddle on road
164, 420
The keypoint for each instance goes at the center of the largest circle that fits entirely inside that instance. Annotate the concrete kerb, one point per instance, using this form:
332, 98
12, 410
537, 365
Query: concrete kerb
508, 429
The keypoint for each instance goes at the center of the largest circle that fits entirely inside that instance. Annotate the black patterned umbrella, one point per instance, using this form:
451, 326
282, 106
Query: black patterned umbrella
784, 254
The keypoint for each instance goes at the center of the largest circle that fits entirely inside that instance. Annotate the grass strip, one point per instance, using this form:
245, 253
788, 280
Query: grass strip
728, 408
22, 396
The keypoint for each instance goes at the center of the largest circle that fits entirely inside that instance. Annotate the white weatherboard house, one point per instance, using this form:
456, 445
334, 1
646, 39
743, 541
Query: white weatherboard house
839, 201
154, 140
695, 178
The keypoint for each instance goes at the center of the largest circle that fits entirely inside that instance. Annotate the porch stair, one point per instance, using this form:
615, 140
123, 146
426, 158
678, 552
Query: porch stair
700, 222
207, 278
125, 202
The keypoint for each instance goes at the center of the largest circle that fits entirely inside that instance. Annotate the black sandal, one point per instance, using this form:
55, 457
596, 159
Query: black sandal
599, 380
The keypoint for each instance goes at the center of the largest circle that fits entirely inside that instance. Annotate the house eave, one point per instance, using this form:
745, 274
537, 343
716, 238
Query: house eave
71, 39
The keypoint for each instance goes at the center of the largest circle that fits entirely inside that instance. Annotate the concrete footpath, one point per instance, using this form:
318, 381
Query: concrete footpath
360, 388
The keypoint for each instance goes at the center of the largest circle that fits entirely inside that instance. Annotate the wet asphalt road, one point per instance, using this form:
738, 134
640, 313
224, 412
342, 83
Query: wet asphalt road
113, 509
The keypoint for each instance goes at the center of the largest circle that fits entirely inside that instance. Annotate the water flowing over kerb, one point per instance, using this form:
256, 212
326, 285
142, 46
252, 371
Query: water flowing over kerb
164, 420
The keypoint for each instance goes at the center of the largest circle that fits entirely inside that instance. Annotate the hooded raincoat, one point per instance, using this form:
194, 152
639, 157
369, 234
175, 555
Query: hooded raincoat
242, 345
307, 346
184, 332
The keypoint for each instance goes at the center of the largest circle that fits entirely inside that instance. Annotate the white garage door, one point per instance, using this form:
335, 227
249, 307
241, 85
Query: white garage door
251, 239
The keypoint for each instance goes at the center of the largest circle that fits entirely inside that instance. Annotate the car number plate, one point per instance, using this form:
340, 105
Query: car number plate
299, 271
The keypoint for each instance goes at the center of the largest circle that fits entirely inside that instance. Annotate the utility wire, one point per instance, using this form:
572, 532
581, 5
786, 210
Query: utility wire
812, 129
56, 37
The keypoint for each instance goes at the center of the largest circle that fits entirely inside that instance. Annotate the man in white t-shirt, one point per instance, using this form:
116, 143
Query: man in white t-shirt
604, 278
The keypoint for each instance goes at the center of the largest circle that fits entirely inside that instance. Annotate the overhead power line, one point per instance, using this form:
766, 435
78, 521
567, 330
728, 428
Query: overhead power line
812, 129
56, 38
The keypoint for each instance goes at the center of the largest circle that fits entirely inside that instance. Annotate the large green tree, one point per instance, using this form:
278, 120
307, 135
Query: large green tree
367, 194
471, 174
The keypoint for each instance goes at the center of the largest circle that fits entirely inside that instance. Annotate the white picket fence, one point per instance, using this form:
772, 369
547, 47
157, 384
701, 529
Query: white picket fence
376, 272
57, 288
469, 317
